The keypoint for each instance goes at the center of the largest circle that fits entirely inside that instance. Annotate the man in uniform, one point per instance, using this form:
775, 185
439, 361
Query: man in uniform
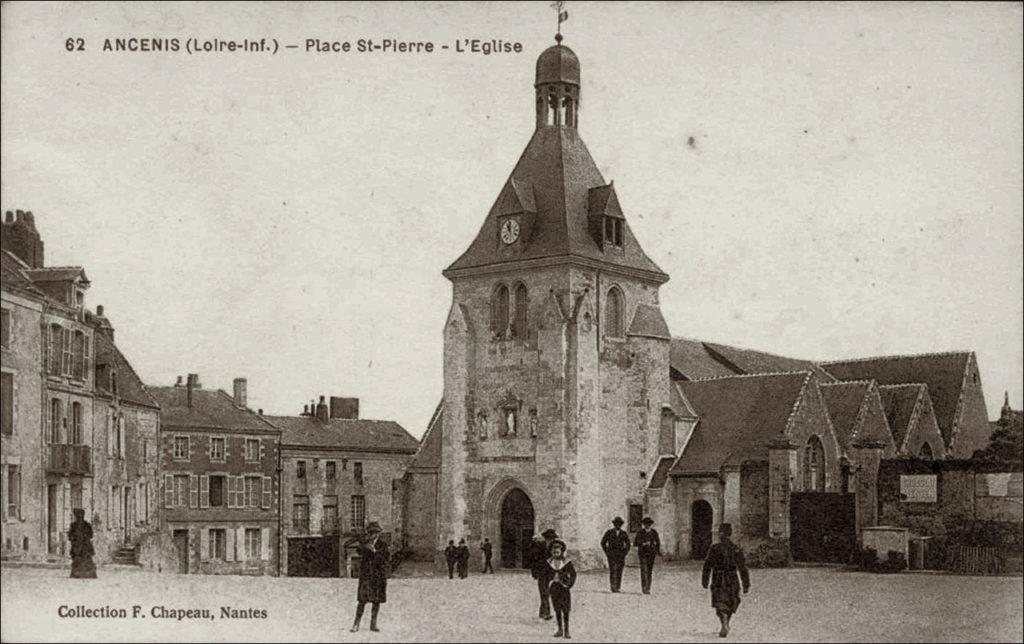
648, 546
450, 554
615, 544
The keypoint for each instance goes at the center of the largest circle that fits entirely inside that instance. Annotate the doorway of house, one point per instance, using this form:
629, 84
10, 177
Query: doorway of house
125, 512
701, 519
181, 547
516, 529
52, 530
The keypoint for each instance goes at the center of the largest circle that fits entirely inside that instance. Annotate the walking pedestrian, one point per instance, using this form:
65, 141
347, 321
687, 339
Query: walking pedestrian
648, 546
539, 569
615, 544
450, 555
724, 561
373, 576
486, 547
462, 559
562, 575
80, 535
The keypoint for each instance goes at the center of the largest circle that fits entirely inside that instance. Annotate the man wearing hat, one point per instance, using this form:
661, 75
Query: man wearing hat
724, 561
648, 546
373, 575
615, 544
539, 569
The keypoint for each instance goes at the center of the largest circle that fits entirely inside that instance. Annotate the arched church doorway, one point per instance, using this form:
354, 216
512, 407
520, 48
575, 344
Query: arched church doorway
516, 529
701, 518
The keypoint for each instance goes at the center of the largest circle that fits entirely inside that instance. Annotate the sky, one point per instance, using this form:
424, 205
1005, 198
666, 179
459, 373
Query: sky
821, 181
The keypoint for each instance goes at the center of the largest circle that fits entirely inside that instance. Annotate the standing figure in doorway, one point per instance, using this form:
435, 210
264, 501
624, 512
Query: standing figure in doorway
487, 550
726, 568
615, 544
80, 535
562, 575
451, 553
648, 546
373, 575
462, 559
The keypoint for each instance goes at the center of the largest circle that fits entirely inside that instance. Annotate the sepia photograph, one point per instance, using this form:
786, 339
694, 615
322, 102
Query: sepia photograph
512, 321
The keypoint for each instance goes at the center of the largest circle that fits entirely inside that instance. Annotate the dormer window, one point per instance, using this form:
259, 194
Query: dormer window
613, 232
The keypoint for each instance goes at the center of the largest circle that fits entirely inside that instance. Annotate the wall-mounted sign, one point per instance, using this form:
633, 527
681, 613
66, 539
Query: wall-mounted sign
919, 488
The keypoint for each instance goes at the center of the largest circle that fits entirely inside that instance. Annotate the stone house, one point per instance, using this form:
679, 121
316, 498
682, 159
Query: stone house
219, 493
339, 472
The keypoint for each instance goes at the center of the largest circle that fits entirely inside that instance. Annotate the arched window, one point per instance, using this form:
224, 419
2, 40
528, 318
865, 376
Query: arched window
541, 112
56, 420
925, 452
567, 111
613, 315
814, 465
552, 110
519, 329
76, 424
499, 311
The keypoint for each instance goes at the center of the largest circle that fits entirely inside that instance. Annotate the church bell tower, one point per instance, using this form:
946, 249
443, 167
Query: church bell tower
555, 349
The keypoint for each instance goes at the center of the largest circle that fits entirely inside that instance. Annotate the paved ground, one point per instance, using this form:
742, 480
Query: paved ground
804, 604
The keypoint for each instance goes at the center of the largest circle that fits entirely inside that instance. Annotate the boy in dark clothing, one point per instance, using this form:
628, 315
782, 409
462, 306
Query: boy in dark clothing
450, 555
562, 574
486, 547
725, 560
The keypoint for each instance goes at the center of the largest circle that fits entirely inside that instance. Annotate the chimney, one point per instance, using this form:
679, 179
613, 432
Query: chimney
305, 410
344, 407
99, 310
21, 238
241, 392
260, 411
190, 384
179, 383
321, 410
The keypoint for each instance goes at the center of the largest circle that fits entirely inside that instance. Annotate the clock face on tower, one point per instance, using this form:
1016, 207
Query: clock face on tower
510, 231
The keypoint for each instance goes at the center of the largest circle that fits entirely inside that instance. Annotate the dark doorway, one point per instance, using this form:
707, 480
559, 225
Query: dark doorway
181, 546
52, 531
822, 526
126, 513
701, 519
314, 556
516, 529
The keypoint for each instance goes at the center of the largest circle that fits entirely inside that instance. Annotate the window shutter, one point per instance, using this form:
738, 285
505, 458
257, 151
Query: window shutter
229, 491
66, 353
204, 491
240, 487
21, 513
123, 441
229, 546
168, 491
49, 351
265, 544
262, 451
204, 544
193, 491
267, 491
242, 550
85, 358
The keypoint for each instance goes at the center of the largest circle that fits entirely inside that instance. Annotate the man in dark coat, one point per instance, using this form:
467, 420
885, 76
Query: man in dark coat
540, 570
462, 559
80, 535
648, 546
615, 544
487, 549
373, 575
724, 561
451, 554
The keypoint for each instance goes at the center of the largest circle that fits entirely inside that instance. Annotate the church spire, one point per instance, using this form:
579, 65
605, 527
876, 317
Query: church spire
557, 87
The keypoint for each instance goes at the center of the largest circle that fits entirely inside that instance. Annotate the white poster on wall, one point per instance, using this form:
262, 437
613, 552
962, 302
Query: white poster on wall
918, 488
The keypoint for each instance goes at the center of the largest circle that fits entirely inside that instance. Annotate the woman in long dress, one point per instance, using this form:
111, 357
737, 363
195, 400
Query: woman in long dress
80, 535
726, 568
373, 576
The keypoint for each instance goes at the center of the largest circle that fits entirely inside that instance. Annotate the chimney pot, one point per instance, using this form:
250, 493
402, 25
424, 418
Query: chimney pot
10, 217
305, 410
99, 310
190, 384
260, 411
179, 383
241, 392
321, 410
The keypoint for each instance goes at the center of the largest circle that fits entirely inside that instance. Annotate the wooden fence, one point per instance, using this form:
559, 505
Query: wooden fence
976, 560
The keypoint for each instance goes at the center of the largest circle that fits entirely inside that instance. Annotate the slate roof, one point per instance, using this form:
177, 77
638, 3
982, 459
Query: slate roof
129, 385
556, 64
750, 361
559, 168
942, 372
693, 362
661, 471
56, 274
211, 409
428, 456
739, 417
649, 322
13, 277
844, 401
353, 434
899, 402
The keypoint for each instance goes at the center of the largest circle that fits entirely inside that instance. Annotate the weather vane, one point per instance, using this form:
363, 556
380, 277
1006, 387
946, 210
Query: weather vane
563, 15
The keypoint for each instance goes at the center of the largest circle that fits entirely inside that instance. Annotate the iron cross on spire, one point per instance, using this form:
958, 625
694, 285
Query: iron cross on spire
563, 15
